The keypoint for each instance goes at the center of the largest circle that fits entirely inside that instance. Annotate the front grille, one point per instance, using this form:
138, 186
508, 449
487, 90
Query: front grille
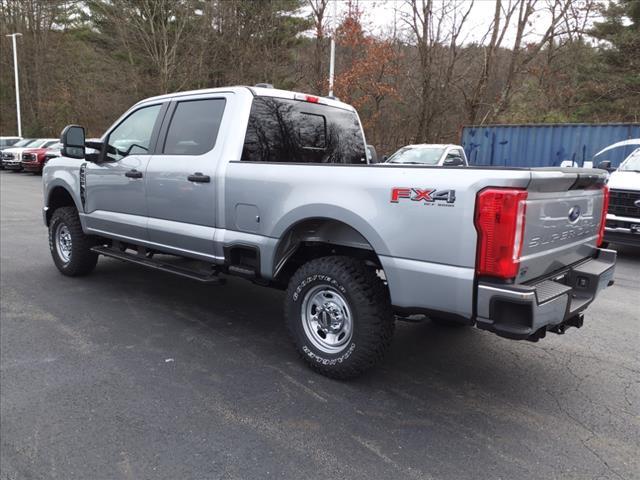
7, 156
621, 203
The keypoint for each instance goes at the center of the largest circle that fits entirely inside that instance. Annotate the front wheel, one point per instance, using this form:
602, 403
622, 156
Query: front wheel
339, 315
70, 246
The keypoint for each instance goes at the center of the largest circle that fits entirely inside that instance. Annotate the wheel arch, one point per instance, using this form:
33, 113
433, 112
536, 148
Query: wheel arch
319, 236
58, 196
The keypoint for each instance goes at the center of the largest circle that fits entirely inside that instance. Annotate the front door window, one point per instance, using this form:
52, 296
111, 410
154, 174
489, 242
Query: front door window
133, 135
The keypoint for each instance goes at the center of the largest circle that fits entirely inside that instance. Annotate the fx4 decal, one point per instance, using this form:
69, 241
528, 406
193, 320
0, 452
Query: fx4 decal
426, 195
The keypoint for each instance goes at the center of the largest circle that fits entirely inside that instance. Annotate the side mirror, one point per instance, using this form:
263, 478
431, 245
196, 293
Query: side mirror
385, 158
372, 155
72, 139
453, 162
605, 165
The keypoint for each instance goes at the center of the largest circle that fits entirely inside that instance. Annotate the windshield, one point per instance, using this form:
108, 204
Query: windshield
42, 143
417, 155
7, 142
632, 163
24, 142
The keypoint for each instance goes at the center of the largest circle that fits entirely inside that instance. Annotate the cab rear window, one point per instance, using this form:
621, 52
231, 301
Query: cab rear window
291, 131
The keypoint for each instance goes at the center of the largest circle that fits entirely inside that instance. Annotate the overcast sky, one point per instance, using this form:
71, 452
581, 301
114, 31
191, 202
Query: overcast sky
379, 17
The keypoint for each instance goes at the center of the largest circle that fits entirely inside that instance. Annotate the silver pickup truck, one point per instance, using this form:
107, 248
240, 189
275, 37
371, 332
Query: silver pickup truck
274, 186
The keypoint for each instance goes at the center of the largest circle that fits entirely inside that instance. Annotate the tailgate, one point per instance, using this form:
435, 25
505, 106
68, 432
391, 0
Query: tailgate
563, 215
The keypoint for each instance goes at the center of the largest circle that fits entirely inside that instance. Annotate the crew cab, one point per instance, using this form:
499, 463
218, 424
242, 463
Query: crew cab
274, 186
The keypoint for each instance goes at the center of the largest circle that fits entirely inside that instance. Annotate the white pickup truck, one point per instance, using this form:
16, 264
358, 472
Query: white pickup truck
623, 213
429, 154
275, 186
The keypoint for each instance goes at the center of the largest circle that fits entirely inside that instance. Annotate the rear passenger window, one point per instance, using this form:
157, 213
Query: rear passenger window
194, 127
290, 131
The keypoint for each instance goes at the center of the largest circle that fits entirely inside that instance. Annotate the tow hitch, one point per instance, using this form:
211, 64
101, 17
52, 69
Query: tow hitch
575, 321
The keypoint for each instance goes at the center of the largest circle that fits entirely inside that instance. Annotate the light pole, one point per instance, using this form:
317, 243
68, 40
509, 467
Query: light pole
15, 70
332, 59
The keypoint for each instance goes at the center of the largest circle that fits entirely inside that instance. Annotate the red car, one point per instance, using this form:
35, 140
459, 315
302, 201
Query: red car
33, 159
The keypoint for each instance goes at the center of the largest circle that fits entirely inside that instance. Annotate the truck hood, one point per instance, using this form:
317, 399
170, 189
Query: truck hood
624, 180
14, 150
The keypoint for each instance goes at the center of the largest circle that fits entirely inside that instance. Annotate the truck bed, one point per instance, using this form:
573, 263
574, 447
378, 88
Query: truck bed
427, 248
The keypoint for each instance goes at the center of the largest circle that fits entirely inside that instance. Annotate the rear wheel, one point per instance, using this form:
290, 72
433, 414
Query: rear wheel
70, 246
339, 315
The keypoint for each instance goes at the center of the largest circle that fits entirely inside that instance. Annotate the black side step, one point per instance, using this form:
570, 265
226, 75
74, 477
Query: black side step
159, 265
246, 272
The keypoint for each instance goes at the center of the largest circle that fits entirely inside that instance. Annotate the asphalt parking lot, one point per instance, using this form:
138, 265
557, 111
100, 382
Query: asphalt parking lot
134, 374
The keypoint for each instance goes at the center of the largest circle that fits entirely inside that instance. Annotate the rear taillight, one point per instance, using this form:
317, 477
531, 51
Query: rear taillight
500, 214
603, 217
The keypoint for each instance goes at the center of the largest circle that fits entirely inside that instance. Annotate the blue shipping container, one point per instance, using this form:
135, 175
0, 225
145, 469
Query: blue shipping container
545, 145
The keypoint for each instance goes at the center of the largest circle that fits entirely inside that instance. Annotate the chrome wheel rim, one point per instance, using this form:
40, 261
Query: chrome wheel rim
327, 319
63, 243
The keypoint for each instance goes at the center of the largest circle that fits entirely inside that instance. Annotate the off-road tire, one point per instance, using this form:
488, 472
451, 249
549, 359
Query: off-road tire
371, 315
82, 260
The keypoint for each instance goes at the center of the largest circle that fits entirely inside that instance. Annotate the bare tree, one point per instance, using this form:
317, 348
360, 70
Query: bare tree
474, 96
436, 26
520, 57
155, 27
87, 61
35, 20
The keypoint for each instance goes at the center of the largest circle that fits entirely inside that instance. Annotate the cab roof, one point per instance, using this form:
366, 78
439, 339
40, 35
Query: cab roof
255, 91
432, 145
